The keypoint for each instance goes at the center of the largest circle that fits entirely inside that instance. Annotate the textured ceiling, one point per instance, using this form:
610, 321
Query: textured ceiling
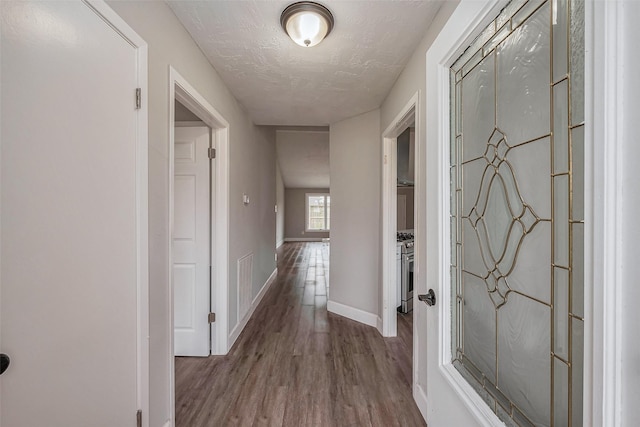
281, 83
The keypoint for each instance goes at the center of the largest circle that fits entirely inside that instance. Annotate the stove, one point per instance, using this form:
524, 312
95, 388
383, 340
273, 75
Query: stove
404, 236
406, 275
407, 241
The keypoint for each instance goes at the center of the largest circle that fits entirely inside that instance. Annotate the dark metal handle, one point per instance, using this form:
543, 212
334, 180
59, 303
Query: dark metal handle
4, 363
429, 298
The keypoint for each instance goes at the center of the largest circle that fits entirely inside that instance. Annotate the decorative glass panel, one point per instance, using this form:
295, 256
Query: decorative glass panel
577, 61
577, 357
560, 22
577, 166
508, 11
517, 213
560, 128
561, 313
523, 95
577, 270
561, 220
525, 12
560, 393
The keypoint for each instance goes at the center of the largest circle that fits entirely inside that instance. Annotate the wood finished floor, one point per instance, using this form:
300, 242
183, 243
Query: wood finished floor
295, 364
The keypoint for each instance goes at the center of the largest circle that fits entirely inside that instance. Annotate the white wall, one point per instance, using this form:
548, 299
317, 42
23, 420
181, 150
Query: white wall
355, 212
413, 79
280, 202
252, 170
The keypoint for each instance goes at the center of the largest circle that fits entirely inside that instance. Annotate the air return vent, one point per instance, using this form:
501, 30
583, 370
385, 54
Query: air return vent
245, 279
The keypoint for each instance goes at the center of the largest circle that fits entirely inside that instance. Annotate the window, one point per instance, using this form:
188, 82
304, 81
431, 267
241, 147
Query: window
318, 212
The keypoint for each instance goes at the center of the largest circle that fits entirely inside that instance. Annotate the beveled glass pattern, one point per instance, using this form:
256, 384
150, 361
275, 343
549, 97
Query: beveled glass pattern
517, 214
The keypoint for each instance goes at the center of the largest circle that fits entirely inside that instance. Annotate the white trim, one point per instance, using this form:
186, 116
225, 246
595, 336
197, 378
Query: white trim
280, 243
303, 239
420, 397
142, 197
379, 324
410, 112
187, 95
353, 313
483, 413
167, 424
605, 75
237, 330
191, 124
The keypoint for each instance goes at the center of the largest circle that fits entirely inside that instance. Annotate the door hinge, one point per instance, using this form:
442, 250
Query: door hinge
138, 98
212, 153
139, 418
212, 317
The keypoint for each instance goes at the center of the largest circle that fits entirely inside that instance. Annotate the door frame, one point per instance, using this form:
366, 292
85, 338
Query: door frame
604, 60
180, 90
119, 25
411, 111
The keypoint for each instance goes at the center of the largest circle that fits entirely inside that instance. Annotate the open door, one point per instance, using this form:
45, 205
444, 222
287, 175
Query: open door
191, 242
505, 312
74, 311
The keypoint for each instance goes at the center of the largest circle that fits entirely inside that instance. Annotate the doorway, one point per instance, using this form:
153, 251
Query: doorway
216, 141
398, 175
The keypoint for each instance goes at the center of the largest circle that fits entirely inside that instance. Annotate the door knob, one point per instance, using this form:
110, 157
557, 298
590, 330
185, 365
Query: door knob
429, 298
4, 363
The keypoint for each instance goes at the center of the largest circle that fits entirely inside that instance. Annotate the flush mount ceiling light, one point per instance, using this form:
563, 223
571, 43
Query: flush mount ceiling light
307, 23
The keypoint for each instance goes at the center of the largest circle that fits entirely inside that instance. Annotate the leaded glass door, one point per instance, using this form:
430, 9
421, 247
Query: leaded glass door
517, 213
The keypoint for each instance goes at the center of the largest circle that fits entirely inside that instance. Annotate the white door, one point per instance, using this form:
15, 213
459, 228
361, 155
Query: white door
191, 237
73, 260
505, 338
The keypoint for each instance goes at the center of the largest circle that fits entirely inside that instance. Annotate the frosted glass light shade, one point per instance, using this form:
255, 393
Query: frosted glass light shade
307, 23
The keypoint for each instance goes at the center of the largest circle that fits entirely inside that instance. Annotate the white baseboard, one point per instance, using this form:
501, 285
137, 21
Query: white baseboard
379, 325
280, 243
303, 239
167, 424
235, 333
353, 313
421, 400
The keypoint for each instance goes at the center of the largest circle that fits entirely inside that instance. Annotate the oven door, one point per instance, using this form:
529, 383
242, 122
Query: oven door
407, 282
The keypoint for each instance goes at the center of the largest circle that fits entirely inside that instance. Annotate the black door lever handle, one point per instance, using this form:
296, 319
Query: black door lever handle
429, 298
4, 363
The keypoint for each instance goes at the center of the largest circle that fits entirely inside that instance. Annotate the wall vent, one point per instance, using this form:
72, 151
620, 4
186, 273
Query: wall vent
245, 281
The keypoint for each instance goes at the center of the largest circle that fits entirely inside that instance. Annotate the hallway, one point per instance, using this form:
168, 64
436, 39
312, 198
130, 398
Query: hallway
295, 364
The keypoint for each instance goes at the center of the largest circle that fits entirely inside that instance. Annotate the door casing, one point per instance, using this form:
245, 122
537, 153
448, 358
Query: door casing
187, 95
410, 112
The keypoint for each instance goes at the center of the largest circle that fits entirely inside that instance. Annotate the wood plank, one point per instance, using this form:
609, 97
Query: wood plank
295, 364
